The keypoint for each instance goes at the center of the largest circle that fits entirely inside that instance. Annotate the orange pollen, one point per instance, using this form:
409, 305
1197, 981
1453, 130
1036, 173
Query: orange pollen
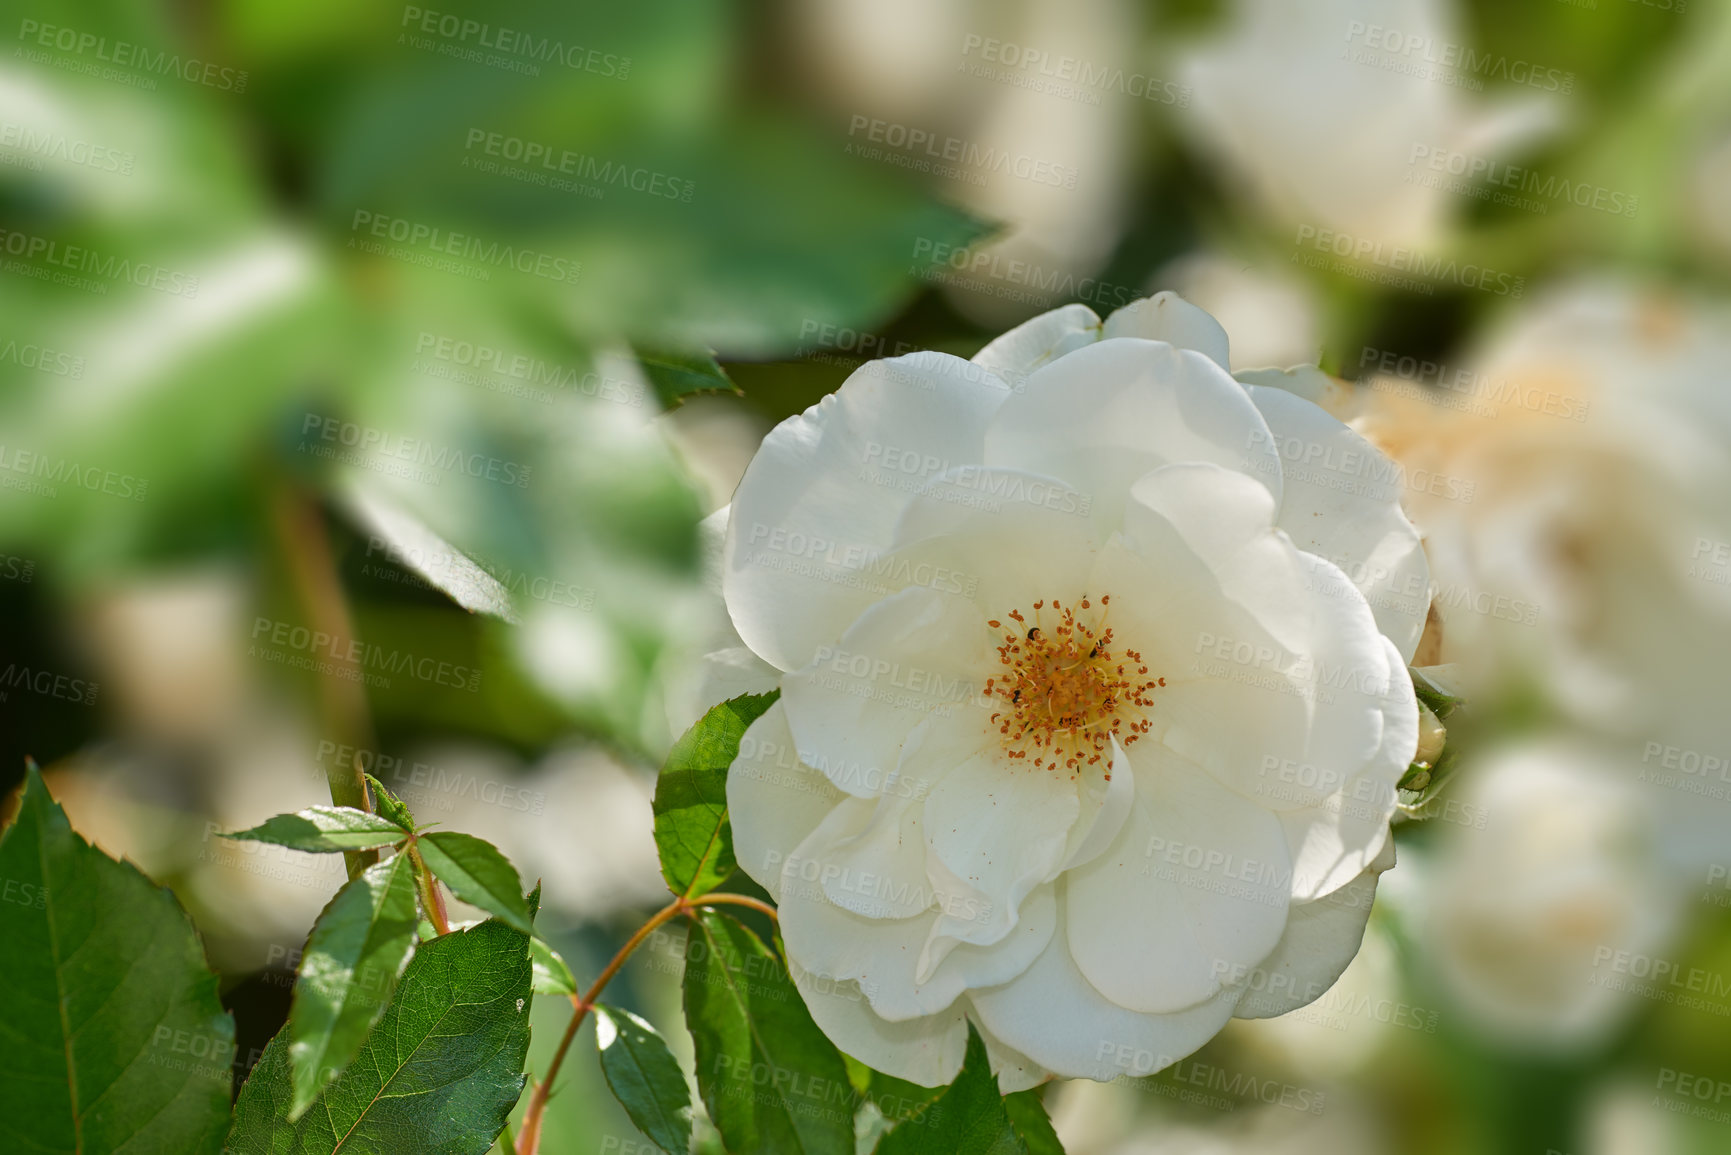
1065, 695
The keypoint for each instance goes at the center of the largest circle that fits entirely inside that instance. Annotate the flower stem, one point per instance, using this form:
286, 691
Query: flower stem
431, 899
306, 554
529, 1136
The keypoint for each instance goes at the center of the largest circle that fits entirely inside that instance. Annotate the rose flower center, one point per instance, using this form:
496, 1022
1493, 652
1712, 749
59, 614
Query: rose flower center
1064, 694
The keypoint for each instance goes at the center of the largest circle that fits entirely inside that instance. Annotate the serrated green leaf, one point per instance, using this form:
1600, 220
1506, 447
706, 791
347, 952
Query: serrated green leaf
552, 976
389, 806
645, 1078
691, 827
478, 874
324, 830
357, 949
970, 1118
677, 375
114, 1038
438, 1074
773, 1083
1028, 1118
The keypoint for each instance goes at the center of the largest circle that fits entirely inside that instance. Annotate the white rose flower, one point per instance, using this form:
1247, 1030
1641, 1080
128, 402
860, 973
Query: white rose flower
1528, 920
1084, 734
1573, 481
1316, 111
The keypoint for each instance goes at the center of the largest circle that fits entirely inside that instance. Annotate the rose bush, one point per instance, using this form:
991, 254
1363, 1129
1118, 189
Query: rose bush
1087, 729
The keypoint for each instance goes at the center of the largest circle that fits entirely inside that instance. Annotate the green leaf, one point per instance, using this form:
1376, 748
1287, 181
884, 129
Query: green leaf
645, 1078
676, 375
773, 1083
478, 874
414, 545
970, 1118
439, 1073
389, 806
113, 1035
325, 830
897, 1099
691, 828
353, 958
552, 976
1029, 1120
1441, 702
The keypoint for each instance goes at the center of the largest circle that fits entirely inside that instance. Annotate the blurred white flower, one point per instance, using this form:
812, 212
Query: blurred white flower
1270, 317
1344, 1029
1322, 137
1094, 745
1577, 514
1530, 921
1346, 1128
1027, 113
172, 652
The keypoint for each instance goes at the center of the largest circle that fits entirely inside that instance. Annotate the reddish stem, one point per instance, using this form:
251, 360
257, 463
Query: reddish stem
529, 1137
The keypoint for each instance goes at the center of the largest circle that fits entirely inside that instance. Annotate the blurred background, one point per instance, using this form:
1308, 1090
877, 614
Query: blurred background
365, 370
